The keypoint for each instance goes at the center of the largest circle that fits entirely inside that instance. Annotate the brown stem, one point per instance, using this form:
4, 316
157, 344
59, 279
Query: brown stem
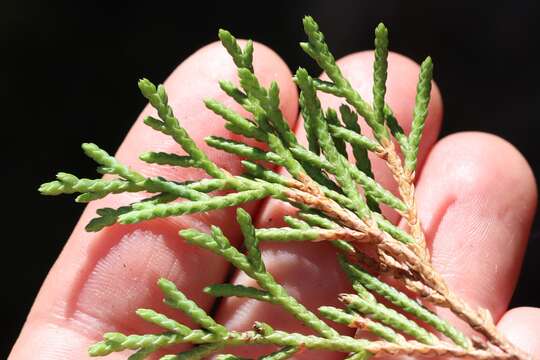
414, 258
482, 324
414, 348
344, 234
405, 181
334, 210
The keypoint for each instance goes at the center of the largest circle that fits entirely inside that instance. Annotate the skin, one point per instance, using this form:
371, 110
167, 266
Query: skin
477, 230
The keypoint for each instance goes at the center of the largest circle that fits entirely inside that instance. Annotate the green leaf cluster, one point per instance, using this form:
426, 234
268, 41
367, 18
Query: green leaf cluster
331, 184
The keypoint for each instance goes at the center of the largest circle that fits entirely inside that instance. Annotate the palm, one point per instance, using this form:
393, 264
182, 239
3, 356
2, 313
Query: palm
477, 228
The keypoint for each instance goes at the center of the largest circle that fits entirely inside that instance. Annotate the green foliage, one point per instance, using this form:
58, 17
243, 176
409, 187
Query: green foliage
405, 303
352, 319
389, 317
334, 189
317, 49
423, 93
242, 58
380, 66
178, 300
223, 290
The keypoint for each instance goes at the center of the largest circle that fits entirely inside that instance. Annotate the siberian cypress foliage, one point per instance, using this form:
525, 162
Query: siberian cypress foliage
338, 200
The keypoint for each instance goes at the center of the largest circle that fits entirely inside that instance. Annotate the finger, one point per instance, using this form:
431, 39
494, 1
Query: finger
522, 326
100, 279
476, 199
310, 271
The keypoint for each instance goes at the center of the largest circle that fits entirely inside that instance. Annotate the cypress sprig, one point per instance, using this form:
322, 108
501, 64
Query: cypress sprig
317, 49
190, 192
241, 125
106, 217
119, 342
396, 232
243, 150
158, 99
380, 66
114, 167
268, 100
251, 241
312, 234
234, 92
274, 140
319, 221
178, 300
389, 317
242, 58
263, 328
360, 146
265, 280
309, 126
260, 172
423, 93
209, 185
98, 188
227, 290
353, 320
370, 186
162, 158
327, 144
156, 124
325, 86
359, 347
337, 199
163, 321
295, 223
354, 138
141, 213
405, 303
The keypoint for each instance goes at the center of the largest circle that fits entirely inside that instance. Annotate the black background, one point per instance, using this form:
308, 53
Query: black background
69, 72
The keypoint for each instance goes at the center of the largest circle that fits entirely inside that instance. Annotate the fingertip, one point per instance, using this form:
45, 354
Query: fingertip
483, 161
476, 200
521, 326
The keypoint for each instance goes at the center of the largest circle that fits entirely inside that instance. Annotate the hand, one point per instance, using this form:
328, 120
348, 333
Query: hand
476, 196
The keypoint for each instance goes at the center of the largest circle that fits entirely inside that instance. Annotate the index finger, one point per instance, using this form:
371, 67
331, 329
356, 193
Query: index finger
100, 279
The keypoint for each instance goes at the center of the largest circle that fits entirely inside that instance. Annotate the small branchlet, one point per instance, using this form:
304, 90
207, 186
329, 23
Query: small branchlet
338, 199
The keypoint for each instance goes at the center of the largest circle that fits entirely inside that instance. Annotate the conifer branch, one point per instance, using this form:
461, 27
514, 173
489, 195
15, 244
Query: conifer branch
324, 186
118, 342
220, 245
420, 114
162, 158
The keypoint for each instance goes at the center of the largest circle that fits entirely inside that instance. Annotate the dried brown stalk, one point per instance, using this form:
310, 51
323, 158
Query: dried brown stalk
406, 259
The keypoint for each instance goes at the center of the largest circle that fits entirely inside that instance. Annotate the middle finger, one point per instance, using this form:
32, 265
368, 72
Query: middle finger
310, 272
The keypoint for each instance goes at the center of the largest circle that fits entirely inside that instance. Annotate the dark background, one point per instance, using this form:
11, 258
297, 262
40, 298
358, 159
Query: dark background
69, 72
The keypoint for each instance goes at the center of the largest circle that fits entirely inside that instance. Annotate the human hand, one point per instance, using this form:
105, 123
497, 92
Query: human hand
478, 229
